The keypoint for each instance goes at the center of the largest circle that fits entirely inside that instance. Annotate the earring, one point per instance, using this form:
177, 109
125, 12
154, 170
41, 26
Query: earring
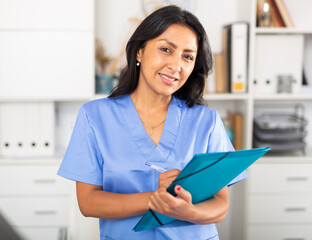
138, 64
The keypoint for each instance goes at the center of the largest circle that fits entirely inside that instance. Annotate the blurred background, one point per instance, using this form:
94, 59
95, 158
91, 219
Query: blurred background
56, 55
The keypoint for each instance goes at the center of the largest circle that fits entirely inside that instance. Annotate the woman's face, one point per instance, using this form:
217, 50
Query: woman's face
167, 60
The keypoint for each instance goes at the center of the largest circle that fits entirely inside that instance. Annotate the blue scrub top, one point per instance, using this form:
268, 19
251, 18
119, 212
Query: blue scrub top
109, 147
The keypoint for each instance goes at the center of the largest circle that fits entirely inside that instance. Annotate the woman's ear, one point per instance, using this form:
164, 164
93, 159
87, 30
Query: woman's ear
139, 55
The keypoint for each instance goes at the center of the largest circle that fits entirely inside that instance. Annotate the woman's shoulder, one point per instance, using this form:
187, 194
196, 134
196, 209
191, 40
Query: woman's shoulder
103, 102
102, 105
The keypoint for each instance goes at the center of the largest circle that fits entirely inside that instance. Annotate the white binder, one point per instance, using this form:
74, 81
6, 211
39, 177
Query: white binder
47, 126
12, 130
27, 129
32, 129
238, 56
40, 129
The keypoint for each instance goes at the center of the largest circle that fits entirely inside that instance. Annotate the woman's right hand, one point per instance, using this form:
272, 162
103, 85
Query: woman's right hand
166, 178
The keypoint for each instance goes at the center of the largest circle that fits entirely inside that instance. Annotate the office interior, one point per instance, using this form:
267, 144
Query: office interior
48, 69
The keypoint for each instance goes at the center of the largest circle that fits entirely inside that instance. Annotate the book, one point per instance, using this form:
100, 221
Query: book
284, 13
268, 14
218, 169
236, 54
220, 73
236, 124
238, 131
277, 20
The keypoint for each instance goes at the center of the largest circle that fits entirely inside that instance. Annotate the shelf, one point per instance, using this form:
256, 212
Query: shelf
225, 96
283, 97
30, 161
208, 96
272, 30
44, 99
296, 157
99, 95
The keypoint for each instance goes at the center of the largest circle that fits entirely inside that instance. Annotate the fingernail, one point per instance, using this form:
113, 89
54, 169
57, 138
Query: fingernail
178, 188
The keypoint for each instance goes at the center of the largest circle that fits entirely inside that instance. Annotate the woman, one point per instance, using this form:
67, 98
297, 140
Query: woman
156, 115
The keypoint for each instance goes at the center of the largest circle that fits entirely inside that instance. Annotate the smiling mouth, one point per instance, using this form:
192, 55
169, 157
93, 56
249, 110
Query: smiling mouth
168, 78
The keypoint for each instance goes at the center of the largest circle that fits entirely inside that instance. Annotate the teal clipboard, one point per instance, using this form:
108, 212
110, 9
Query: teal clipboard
204, 176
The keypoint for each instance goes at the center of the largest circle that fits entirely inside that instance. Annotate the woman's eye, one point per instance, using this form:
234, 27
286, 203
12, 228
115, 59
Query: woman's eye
164, 49
189, 57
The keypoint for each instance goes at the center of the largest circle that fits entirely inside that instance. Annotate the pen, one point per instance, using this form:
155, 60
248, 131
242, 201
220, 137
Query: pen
160, 169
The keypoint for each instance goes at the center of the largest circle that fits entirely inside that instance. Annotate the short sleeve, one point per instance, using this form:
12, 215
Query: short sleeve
82, 161
220, 142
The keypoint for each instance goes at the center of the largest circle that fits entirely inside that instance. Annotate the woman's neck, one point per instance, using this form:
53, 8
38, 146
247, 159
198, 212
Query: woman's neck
151, 104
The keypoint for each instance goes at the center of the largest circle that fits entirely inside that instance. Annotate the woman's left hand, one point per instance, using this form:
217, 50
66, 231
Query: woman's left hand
179, 207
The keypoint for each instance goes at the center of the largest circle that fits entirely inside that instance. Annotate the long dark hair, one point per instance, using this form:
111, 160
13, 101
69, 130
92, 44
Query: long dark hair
153, 26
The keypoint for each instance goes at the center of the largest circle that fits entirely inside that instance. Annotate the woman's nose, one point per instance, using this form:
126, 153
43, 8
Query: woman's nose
175, 63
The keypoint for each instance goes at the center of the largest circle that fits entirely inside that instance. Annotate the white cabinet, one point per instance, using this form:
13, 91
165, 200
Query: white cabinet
34, 200
279, 201
46, 15
46, 65
278, 192
46, 56
46, 50
288, 232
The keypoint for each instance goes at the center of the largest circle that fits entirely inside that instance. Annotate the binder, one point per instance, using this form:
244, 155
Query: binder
237, 56
13, 129
47, 125
218, 169
27, 129
40, 126
33, 129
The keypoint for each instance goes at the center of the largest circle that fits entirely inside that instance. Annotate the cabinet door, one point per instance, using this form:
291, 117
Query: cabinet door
286, 208
46, 14
29, 180
286, 232
36, 211
36, 233
46, 65
280, 178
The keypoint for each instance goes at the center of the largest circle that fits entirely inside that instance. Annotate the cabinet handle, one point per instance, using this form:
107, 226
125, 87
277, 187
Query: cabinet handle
45, 180
297, 179
294, 238
295, 209
45, 212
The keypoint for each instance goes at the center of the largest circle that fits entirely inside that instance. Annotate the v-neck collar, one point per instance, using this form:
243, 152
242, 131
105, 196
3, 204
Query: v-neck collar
150, 151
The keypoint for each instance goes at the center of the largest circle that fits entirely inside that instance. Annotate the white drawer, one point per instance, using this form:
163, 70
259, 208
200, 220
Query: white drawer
287, 232
36, 211
280, 208
39, 233
32, 180
282, 178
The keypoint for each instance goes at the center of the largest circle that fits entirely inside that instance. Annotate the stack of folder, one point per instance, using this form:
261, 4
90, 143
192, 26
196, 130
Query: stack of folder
284, 132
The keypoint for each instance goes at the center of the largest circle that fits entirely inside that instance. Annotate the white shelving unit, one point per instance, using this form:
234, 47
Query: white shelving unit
279, 187
46, 56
